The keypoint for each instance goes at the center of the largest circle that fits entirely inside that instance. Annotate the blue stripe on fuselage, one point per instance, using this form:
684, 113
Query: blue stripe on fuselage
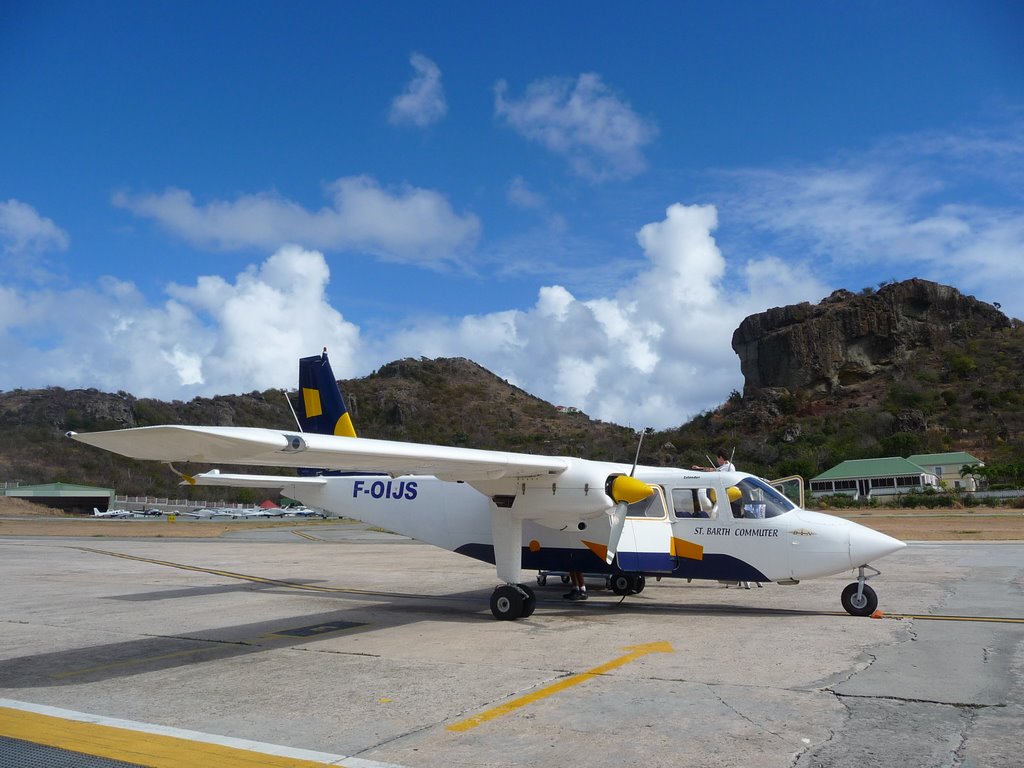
716, 567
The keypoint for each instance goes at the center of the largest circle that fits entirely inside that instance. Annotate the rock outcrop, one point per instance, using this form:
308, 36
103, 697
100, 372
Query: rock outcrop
849, 338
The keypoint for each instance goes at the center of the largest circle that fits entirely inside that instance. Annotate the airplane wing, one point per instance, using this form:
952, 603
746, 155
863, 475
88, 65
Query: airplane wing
216, 477
275, 448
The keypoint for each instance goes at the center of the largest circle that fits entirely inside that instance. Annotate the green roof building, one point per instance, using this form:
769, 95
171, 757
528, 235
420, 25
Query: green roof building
878, 477
885, 477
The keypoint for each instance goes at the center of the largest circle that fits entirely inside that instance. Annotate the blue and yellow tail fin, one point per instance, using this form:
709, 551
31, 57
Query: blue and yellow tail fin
322, 408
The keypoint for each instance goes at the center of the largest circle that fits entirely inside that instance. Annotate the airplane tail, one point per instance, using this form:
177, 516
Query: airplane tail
323, 408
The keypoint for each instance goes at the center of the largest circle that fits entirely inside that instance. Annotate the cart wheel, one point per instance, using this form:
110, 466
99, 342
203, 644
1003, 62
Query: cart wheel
565, 578
542, 579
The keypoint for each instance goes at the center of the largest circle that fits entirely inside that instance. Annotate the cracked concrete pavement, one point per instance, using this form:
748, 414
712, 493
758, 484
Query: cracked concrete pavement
398, 645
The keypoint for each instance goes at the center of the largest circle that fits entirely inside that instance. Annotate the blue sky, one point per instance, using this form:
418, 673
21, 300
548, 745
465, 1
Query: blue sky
585, 198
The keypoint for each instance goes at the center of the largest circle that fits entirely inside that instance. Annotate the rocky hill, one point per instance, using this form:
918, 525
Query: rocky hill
849, 339
446, 401
913, 367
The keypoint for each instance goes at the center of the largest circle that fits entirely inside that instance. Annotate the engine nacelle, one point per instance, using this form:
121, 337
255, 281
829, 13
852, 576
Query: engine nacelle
574, 496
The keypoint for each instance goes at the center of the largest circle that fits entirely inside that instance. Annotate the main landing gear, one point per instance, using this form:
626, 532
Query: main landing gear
513, 601
858, 598
623, 584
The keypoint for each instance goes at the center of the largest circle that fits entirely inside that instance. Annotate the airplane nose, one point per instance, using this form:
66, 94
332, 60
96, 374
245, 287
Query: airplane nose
867, 545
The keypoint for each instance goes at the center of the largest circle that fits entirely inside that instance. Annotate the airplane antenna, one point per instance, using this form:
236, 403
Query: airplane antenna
292, 407
636, 458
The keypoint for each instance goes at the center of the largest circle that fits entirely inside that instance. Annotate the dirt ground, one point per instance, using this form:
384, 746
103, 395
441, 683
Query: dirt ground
22, 518
975, 524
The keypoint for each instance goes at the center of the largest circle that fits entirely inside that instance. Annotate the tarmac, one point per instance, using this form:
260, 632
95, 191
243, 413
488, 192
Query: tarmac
340, 645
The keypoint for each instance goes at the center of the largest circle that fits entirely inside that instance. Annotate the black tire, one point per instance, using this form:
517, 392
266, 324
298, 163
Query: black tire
864, 605
506, 603
530, 603
542, 579
565, 579
621, 584
639, 582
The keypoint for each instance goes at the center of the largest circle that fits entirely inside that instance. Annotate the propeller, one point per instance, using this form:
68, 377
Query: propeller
624, 490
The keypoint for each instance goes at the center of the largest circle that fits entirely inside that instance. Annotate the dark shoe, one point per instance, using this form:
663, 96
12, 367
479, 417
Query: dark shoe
571, 594
577, 595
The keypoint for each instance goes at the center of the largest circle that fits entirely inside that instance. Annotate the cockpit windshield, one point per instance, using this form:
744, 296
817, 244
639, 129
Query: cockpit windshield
760, 500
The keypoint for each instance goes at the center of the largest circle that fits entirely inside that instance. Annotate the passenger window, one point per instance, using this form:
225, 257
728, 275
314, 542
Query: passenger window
684, 503
694, 502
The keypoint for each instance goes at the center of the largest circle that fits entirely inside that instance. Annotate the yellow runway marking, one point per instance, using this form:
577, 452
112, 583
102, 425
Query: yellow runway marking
926, 617
635, 652
308, 536
132, 746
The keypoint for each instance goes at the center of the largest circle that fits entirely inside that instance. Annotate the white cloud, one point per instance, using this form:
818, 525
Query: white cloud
521, 196
655, 353
23, 231
213, 337
584, 121
906, 209
410, 225
422, 103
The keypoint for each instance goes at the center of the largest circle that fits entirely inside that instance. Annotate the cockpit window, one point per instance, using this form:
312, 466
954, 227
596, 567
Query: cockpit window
649, 507
760, 500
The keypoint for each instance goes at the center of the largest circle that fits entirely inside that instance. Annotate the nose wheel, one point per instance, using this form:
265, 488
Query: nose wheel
858, 598
513, 601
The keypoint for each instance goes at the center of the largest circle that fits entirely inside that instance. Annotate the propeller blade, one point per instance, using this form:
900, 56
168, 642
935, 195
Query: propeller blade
617, 519
624, 490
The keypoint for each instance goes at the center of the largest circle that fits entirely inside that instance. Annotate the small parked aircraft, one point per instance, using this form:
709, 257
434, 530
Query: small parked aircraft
544, 513
112, 512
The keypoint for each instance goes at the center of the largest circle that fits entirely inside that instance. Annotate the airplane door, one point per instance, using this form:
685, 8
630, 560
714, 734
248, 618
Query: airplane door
646, 543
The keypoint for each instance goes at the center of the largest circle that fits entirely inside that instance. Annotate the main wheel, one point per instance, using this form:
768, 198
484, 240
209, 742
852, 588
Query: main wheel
621, 584
506, 603
530, 603
859, 605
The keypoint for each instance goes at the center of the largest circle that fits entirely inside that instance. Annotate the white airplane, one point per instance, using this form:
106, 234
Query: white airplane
112, 513
259, 512
301, 512
545, 513
205, 513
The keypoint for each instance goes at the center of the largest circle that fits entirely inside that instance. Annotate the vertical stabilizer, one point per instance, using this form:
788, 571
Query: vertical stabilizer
321, 407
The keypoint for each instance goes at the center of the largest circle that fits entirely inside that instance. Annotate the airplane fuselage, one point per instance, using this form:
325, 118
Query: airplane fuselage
667, 539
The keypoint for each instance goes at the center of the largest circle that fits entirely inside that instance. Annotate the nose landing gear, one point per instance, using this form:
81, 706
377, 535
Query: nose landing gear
858, 598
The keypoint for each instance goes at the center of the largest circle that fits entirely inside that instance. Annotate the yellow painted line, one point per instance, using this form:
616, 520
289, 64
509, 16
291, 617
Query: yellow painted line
987, 619
307, 536
635, 652
132, 746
